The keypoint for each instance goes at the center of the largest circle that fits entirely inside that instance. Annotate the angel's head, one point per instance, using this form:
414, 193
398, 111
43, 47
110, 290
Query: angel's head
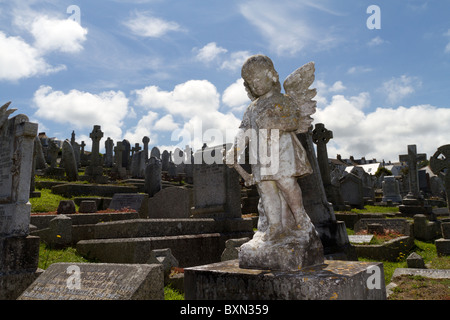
260, 76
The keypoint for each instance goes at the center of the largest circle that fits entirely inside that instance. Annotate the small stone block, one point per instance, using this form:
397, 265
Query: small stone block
442, 247
88, 206
333, 280
66, 207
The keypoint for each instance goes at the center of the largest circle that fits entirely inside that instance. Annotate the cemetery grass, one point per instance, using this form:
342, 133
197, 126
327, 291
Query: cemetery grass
48, 202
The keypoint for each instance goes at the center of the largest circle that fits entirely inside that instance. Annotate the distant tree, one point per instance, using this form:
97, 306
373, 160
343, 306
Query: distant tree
382, 170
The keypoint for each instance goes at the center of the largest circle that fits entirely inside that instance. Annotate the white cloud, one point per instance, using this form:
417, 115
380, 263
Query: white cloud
144, 127
235, 96
288, 28
236, 60
83, 110
20, 60
146, 25
337, 86
209, 52
62, 35
383, 133
166, 123
197, 102
376, 41
358, 69
398, 88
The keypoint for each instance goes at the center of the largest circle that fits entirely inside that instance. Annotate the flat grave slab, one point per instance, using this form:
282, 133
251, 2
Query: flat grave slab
97, 281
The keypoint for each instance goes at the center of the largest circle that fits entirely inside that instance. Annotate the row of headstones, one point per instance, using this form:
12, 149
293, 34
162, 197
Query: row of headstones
353, 187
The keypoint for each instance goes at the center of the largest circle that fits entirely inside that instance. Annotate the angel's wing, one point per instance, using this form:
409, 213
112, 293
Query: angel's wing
297, 86
4, 113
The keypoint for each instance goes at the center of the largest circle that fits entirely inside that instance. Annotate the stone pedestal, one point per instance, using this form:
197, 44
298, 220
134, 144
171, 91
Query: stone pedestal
333, 280
412, 206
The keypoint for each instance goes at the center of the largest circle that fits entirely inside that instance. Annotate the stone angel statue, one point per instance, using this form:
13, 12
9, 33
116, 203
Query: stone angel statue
4, 114
272, 121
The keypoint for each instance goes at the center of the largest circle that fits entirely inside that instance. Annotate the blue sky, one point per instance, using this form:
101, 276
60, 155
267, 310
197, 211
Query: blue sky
155, 67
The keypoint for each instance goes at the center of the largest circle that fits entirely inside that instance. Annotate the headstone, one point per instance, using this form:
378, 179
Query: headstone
321, 136
19, 252
95, 169
155, 153
135, 201
170, 203
98, 281
440, 162
165, 160
145, 141
165, 258
443, 244
66, 207
137, 167
153, 177
60, 234
413, 203
53, 150
88, 206
217, 192
69, 161
126, 153
415, 261
76, 149
118, 168
391, 190
352, 190
332, 233
109, 145
135, 149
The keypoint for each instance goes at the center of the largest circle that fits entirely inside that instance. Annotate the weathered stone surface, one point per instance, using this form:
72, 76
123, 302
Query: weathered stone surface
415, 261
69, 161
173, 202
66, 207
333, 280
97, 281
88, 206
135, 201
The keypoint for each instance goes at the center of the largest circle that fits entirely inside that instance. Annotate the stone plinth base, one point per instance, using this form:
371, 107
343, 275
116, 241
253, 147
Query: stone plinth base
335, 280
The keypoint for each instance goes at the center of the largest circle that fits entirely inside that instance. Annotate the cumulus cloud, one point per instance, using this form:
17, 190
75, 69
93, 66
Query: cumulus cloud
83, 110
20, 60
396, 89
62, 35
383, 133
209, 52
235, 96
377, 41
146, 25
197, 103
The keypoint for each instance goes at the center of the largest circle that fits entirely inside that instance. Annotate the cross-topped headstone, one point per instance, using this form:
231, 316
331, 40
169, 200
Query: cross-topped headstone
82, 147
411, 159
320, 137
136, 148
96, 135
440, 161
145, 141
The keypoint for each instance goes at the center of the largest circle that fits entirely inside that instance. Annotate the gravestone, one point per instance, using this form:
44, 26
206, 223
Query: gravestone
145, 141
413, 203
443, 244
109, 145
97, 281
440, 162
165, 161
155, 153
352, 190
137, 167
321, 136
118, 168
135, 149
135, 201
53, 150
95, 169
69, 162
126, 153
217, 192
391, 190
76, 149
153, 182
332, 233
19, 252
170, 203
